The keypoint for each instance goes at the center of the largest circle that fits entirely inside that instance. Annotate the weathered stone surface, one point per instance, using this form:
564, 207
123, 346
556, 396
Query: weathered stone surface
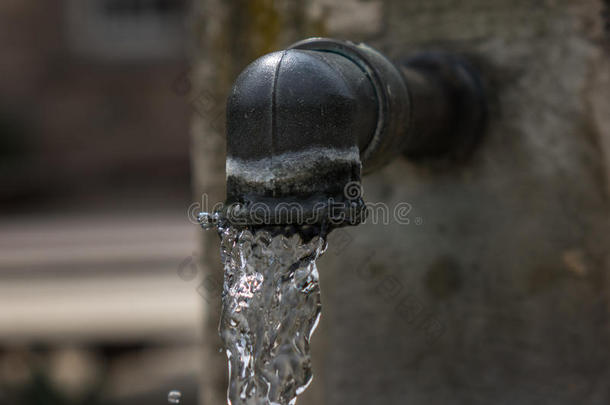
496, 291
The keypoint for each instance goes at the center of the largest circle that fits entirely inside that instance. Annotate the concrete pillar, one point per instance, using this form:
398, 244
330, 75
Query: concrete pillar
492, 287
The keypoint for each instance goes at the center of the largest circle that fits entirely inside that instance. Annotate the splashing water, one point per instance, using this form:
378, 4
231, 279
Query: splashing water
271, 306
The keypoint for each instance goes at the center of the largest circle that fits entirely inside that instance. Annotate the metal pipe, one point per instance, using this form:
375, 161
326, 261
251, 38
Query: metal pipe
304, 123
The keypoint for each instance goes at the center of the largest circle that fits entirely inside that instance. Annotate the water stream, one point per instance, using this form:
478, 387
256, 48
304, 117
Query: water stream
270, 308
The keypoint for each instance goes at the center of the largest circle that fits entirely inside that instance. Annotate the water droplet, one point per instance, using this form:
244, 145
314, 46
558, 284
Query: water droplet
174, 397
206, 220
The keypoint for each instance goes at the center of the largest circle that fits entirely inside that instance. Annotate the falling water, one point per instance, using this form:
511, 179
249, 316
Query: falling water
271, 306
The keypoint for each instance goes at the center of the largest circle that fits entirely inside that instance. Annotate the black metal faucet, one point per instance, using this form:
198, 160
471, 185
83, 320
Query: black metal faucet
305, 122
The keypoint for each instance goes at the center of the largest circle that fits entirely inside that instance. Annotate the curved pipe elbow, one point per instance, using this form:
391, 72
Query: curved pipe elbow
303, 123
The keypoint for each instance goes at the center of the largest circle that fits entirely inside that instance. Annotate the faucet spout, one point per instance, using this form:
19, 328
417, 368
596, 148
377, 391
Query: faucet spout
305, 122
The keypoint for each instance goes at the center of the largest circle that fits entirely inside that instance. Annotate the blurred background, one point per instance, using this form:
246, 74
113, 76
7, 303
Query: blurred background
95, 185
111, 120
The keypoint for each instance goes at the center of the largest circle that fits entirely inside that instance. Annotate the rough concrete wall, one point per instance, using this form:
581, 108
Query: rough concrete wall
496, 291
